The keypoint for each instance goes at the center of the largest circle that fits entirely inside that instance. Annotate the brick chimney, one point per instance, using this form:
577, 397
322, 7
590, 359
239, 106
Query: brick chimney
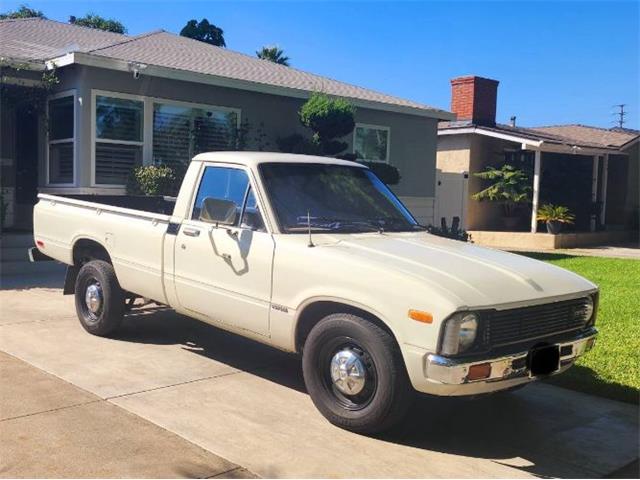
474, 99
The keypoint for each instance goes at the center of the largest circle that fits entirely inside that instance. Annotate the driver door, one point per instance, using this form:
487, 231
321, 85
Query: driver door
224, 271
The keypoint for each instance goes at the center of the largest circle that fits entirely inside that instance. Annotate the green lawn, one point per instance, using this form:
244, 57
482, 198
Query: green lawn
612, 368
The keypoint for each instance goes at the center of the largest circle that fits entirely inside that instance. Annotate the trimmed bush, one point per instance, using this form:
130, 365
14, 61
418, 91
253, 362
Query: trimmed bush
155, 180
387, 173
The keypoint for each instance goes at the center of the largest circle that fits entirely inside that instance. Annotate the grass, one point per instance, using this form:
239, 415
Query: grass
612, 368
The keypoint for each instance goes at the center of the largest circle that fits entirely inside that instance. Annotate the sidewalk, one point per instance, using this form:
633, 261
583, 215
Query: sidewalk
50, 428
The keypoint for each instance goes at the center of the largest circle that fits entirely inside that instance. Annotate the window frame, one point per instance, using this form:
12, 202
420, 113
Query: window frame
376, 127
252, 184
73, 140
147, 126
95, 140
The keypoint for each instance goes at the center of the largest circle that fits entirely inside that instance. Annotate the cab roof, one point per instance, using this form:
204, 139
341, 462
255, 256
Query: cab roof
252, 159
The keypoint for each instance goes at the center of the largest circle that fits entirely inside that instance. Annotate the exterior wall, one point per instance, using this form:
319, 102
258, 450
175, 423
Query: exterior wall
413, 139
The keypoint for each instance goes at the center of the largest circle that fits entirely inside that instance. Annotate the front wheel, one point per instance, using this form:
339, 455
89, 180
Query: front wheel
355, 374
100, 302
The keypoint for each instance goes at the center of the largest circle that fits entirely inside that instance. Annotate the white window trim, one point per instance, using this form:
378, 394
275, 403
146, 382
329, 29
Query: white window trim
65, 93
147, 125
94, 139
376, 127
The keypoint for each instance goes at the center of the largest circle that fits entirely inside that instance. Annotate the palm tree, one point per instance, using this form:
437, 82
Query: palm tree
273, 54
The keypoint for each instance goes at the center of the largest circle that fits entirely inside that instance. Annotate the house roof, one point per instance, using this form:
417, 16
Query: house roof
614, 137
569, 136
35, 39
43, 40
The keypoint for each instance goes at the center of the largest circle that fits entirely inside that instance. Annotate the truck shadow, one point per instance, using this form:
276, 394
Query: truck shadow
513, 429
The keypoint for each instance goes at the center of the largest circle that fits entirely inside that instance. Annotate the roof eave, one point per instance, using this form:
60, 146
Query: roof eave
22, 63
532, 144
110, 63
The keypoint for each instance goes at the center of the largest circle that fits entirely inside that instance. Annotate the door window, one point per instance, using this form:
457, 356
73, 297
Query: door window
222, 183
251, 217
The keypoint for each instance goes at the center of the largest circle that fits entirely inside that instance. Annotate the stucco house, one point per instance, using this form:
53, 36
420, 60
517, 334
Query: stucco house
593, 171
122, 101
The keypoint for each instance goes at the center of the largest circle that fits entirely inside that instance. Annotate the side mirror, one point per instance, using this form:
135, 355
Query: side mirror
219, 211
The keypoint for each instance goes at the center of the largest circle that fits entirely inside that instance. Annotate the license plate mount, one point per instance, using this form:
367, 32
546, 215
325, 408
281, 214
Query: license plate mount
544, 360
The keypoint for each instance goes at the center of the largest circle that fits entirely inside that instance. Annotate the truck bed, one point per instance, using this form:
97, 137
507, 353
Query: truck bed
150, 204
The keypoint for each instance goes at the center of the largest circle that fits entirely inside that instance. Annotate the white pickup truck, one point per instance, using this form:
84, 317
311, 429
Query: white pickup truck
317, 256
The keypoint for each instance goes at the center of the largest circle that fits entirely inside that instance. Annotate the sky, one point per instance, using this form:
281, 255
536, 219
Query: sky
557, 62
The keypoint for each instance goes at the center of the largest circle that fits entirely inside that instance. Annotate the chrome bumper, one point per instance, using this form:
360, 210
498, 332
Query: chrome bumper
448, 371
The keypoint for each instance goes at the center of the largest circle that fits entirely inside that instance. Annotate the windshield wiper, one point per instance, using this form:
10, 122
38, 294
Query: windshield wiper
334, 225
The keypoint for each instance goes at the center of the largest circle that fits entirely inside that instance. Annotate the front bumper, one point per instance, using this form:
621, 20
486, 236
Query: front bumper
449, 376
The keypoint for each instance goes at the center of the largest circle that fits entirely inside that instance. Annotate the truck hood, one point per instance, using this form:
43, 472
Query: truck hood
468, 275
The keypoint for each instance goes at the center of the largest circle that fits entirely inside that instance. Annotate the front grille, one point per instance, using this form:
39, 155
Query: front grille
528, 323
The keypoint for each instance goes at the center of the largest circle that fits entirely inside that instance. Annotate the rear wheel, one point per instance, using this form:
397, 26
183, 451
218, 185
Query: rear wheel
100, 302
355, 375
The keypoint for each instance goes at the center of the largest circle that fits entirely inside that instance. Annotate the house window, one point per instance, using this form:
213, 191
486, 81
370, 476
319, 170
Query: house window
61, 140
371, 143
119, 139
182, 131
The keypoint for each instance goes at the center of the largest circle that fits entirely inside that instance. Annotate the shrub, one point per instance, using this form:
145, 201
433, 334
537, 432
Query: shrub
155, 180
555, 213
452, 232
387, 173
510, 186
297, 143
329, 119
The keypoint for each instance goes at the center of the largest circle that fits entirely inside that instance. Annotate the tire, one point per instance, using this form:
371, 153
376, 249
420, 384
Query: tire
380, 393
100, 302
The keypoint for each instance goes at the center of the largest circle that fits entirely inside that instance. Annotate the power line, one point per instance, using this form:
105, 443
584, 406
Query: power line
621, 114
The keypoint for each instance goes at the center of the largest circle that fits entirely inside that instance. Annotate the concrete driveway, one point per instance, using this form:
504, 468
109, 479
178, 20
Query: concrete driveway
246, 403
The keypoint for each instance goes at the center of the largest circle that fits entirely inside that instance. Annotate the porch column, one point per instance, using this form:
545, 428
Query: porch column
603, 189
594, 189
536, 191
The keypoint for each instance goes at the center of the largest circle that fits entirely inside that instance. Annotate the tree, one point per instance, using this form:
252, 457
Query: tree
273, 54
204, 31
329, 119
22, 12
510, 187
92, 20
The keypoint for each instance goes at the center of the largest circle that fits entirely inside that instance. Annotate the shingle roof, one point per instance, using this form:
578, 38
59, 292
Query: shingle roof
570, 135
40, 39
584, 133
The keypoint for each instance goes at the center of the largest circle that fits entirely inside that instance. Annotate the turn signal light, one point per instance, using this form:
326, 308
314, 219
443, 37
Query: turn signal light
419, 316
480, 371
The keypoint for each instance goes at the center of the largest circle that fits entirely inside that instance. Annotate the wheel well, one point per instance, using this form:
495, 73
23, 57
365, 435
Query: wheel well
85, 250
316, 311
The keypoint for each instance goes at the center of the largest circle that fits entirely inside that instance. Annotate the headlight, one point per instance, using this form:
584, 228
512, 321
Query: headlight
459, 333
587, 310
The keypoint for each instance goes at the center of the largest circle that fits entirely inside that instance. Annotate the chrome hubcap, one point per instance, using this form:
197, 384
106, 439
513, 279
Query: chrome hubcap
348, 372
93, 298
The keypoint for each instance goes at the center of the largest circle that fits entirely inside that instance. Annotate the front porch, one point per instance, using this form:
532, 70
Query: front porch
595, 184
534, 241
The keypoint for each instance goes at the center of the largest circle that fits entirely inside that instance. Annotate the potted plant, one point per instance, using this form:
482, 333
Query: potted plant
555, 216
510, 187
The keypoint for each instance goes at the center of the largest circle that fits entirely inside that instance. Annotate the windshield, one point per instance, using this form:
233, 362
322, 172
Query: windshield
332, 198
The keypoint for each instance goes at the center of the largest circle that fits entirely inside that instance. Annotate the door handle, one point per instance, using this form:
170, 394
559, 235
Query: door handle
191, 232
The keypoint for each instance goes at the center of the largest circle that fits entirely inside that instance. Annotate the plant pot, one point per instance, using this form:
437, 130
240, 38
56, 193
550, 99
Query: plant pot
511, 223
553, 227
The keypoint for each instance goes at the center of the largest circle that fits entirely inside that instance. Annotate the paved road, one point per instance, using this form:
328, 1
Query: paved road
246, 403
